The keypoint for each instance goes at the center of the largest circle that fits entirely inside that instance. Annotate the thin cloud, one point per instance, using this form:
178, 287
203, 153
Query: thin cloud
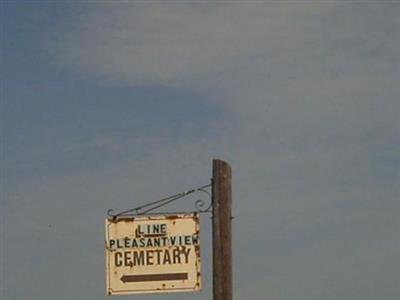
179, 44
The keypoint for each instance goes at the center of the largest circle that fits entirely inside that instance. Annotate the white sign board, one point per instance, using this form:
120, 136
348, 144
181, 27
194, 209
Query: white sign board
153, 254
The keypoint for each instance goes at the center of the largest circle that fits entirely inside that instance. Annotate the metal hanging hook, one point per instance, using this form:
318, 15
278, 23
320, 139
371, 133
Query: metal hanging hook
152, 206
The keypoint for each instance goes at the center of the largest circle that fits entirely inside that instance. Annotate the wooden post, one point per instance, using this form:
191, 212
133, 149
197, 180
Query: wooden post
222, 241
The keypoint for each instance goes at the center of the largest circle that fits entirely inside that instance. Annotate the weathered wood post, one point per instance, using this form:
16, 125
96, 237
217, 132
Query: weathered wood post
222, 232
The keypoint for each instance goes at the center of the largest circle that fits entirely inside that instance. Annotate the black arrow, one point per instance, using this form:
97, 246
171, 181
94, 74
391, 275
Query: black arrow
154, 277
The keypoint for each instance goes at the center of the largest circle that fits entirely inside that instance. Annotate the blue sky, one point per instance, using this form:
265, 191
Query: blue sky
113, 104
48, 108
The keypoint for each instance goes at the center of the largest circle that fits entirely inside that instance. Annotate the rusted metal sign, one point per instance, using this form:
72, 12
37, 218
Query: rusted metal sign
153, 254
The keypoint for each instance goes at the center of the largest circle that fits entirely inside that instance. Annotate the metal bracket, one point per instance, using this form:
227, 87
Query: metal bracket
200, 204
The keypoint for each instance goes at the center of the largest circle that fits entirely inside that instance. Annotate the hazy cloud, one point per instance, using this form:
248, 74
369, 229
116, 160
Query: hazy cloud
180, 44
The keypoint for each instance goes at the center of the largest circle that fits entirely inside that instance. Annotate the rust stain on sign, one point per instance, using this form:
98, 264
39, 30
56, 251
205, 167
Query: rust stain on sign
153, 254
